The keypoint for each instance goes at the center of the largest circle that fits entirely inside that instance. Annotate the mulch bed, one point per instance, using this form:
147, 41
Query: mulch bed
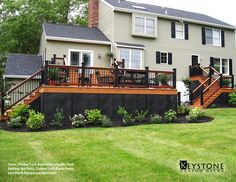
181, 119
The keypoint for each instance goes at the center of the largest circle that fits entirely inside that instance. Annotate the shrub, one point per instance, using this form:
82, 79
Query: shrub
164, 78
15, 123
170, 115
22, 111
225, 83
232, 98
127, 118
155, 118
106, 121
183, 109
58, 118
195, 114
78, 120
140, 115
35, 121
94, 116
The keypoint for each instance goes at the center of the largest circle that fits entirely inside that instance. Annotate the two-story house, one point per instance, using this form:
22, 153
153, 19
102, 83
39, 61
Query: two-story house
144, 36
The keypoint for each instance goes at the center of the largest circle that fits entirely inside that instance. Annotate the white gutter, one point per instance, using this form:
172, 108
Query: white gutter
16, 76
174, 18
129, 46
78, 40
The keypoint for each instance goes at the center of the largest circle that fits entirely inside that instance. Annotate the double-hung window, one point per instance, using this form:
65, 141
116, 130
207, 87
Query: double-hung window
213, 37
145, 26
132, 57
179, 30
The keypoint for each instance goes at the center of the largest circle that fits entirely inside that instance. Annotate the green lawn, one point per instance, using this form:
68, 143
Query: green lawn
139, 153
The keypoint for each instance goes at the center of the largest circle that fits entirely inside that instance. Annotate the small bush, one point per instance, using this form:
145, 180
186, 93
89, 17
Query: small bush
170, 115
94, 116
106, 121
155, 118
140, 115
22, 111
78, 121
232, 99
35, 121
164, 78
15, 123
195, 114
183, 109
127, 118
58, 118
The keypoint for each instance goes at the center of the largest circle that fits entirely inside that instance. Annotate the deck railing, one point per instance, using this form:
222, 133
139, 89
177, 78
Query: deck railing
62, 75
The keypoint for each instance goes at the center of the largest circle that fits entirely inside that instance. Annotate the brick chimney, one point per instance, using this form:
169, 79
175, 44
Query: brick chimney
93, 13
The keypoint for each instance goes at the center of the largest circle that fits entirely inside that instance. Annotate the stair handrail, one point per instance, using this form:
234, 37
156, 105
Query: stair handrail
21, 83
203, 69
32, 88
211, 84
200, 85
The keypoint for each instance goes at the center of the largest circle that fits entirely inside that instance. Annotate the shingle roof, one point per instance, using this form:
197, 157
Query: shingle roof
170, 12
74, 32
23, 64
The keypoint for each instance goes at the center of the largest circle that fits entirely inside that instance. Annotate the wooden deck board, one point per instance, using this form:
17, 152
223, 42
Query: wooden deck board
106, 90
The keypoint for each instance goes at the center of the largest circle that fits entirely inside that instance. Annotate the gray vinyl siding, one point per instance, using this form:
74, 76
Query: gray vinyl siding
42, 46
181, 49
106, 20
61, 48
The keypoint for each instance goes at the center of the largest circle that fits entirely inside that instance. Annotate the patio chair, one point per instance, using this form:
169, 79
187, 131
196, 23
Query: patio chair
104, 79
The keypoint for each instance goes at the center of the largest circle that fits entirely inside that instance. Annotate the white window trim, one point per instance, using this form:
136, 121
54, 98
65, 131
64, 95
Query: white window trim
81, 51
199, 58
167, 58
181, 38
145, 19
141, 57
221, 65
213, 30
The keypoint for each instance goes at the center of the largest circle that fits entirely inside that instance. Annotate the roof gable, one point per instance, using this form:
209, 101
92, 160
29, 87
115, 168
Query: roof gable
22, 64
168, 12
74, 32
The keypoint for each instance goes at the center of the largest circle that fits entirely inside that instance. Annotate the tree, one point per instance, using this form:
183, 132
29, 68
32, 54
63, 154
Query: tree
21, 21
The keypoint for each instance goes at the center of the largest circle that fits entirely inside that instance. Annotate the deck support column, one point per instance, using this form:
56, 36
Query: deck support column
147, 76
174, 78
202, 98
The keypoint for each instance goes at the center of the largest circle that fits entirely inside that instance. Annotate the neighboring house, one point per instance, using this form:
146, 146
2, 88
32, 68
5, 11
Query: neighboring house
21, 66
144, 36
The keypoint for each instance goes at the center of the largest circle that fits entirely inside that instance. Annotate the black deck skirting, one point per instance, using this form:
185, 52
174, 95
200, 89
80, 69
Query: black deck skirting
77, 103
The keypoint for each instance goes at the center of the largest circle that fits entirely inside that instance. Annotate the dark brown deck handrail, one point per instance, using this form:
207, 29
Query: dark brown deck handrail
22, 90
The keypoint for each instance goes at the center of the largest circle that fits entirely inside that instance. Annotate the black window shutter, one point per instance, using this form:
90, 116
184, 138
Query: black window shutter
230, 67
203, 36
212, 61
158, 57
172, 29
222, 38
186, 31
169, 58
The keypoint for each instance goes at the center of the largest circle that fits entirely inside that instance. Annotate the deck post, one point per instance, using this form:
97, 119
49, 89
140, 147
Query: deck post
2, 104
179, 99
116, 75
210, 73
202, 98
190, 70
147, 76
45, 76
174, 78
232, 82
191, 97
221, 80
83, 74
